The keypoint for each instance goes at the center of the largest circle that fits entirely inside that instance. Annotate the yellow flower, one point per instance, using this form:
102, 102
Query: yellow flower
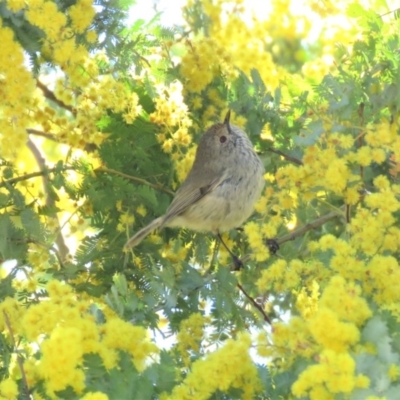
331, 333
81, 14
95, 396
372, 397
61, 356
362, 381
91, 36
381, 182
229, 366
118, 334
16, 5
141, 210
126, 219
255, 238
383, 280
381, 135
175, 253
266, 133
273, 276
394, 372
352, 195
378, 156
327, 242
197, 102
190, 335
364, 156
344, 299
336, 371
8, 389
308, 304
168, 145
11, 313
336, 176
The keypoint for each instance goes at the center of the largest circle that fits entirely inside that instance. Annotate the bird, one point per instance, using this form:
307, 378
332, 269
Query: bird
221, 189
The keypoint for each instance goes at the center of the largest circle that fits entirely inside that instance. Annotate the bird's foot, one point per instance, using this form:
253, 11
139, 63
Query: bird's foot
273, 246
237, 262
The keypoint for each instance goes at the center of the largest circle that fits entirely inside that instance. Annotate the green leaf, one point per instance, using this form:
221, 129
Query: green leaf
283, 382
310, 134
8, 173
4, 198
190, 279
12, 241
162, 374
374, 330
120, 284
126, 383
265, 378
257, 80
34, 228
147, 195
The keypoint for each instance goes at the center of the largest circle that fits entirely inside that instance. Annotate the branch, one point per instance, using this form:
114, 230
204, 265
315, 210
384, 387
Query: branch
32, 175
255, 304
301, 231
46, 135
285, 156
19, 358
89, 147
311, 225
389, 12
60, 242
51, 96
135, 179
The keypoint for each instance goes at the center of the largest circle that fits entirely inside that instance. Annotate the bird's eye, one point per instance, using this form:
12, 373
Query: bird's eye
222, 139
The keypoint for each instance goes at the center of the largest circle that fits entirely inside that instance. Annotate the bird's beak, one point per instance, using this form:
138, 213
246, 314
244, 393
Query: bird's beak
227, 118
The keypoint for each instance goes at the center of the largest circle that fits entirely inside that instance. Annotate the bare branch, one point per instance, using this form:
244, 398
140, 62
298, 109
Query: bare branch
60, 242
25, 177
285, 156
311, 225
255, 304
46, 135
51, 96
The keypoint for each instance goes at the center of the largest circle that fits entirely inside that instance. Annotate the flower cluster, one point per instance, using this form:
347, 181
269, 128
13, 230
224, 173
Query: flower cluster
61, 331
17, 95
190, 336
228, 367
327, 330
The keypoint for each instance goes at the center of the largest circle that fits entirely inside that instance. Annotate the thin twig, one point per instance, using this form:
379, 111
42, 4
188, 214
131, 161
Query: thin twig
135, 179
19, 358
141, 58
285, 156
51, 96
69, 218
255, 304
389, 12
46, 135
25, 177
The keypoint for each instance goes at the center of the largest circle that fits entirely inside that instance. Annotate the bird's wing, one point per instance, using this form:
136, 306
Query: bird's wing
189, 194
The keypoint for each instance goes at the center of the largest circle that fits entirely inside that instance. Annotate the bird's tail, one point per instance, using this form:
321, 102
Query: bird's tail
139, 236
